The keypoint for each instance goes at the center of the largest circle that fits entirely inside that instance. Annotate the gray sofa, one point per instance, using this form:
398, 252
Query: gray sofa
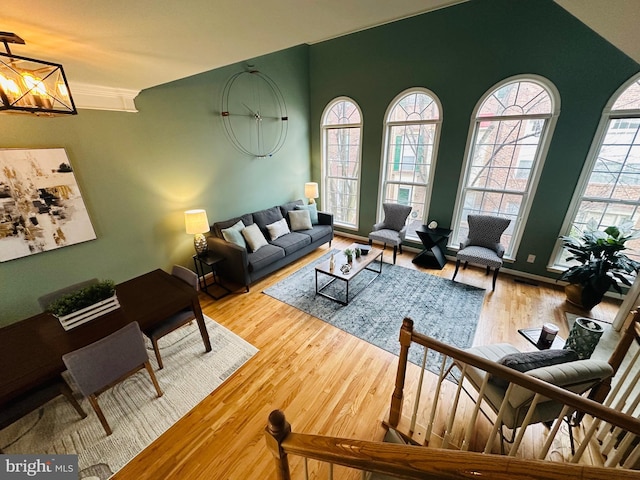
244, 267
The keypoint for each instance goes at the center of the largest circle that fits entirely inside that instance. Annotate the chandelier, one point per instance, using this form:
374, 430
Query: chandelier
30, 85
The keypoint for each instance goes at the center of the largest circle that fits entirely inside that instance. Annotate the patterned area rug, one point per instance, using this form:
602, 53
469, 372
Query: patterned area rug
136, 416
445, 310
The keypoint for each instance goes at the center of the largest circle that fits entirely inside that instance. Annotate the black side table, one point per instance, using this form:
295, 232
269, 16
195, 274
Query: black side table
432, 256
209, 261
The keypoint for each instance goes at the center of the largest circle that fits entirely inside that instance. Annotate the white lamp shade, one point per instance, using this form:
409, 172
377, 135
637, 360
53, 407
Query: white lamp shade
196, 221
311, 190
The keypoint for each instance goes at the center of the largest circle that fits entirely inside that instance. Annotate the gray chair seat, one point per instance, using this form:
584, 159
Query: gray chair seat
482, 245
393, 229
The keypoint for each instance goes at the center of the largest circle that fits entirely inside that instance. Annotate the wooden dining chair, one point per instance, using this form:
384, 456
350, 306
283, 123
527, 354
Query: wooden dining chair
102, 364
177, 320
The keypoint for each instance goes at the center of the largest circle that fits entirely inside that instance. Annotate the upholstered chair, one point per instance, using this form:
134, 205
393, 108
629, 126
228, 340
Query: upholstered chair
393, 229
482, 245
108, 361
177, 320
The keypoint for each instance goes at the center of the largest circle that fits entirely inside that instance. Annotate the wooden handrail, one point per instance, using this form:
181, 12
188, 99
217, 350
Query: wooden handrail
408, 336
420, 463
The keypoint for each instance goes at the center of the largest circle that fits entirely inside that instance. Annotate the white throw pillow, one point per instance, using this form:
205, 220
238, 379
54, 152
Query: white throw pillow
254, 237
300, 220
278, 229
233, 235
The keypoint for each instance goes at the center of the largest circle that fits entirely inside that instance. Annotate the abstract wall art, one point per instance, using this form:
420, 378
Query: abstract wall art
41, 207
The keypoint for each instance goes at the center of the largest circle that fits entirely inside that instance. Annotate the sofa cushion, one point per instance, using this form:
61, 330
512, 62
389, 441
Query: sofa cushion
287, 207
264, 257
233, 234
278, 229
292, 242
318, 232
300, 220
313, 211
254, 237
266, 217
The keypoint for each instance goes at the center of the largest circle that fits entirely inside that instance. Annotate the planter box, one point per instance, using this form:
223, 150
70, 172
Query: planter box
89, 313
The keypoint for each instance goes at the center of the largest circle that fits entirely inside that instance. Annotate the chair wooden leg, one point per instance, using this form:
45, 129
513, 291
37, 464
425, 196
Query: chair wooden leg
488, 270
495, 275
395, 250
466, 264
93, 400
66, 391
370, 242
455, 272
147, 365
156, 349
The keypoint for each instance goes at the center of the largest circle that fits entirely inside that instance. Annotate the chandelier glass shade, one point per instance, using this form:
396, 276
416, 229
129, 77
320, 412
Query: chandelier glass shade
30, 85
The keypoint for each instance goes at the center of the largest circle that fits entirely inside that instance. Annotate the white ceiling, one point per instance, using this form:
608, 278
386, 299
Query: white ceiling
136, 44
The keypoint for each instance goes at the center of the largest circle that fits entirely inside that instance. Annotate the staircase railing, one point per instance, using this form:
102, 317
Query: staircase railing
624, 427
364, 458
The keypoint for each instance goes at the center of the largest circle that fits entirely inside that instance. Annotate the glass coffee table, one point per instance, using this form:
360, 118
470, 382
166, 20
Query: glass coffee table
364, 262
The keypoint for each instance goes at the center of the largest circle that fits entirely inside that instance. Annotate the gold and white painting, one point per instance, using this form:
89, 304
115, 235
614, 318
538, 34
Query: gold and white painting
41, 207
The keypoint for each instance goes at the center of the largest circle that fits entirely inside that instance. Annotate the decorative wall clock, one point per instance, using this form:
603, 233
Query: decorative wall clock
254, 114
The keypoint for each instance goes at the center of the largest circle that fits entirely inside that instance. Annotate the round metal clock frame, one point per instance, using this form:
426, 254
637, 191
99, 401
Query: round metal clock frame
254, 114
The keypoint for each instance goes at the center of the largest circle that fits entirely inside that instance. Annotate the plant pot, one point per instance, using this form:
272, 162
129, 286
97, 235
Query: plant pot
89, 313
583, 297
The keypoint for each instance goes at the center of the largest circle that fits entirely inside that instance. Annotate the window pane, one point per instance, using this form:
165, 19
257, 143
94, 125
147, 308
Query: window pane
518, 98
343, 112
630, 98
413, 108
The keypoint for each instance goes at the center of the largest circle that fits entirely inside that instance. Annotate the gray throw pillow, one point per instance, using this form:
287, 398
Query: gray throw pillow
300, 220
254, 237
525, 361
312, 208
233, 235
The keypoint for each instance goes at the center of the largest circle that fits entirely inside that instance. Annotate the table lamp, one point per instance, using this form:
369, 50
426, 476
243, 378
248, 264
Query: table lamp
311, 191
196, 224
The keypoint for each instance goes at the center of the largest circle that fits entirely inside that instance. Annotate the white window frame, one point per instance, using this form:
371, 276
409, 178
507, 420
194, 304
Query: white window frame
385, 149
324, 128
541, 155
555, 264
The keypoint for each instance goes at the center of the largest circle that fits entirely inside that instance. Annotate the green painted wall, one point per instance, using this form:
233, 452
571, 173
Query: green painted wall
139, 171
459, 53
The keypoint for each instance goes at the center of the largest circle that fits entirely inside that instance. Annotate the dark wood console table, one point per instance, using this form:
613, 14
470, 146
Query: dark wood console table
31, 350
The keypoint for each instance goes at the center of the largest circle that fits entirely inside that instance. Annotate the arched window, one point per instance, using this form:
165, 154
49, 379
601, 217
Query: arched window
509, 138
341, 159
608, 192
412, 129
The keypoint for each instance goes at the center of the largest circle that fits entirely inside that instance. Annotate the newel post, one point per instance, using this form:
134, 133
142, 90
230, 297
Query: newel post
276, 431
396, 399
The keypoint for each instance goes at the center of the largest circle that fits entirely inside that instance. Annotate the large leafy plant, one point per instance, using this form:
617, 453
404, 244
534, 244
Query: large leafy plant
601, 262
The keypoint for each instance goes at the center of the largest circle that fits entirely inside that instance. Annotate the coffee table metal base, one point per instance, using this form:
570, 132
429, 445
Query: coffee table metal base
319, 289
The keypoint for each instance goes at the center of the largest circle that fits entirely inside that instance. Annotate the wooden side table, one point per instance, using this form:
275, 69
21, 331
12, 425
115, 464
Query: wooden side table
432, 256
209, 262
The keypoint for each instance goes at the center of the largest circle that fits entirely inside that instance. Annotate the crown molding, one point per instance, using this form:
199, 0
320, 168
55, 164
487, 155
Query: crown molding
97, 97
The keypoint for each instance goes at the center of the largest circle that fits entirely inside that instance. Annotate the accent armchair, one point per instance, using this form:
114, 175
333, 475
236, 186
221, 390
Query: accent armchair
393, 228
482, 245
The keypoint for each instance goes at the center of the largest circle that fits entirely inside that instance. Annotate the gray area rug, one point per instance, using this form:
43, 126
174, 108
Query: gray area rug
445, 310
137, 417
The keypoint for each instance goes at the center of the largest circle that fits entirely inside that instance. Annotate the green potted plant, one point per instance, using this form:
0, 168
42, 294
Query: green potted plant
75, 308
349, 254
601, 263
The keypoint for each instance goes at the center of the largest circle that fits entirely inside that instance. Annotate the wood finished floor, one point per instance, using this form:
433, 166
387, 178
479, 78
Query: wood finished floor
326, 381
